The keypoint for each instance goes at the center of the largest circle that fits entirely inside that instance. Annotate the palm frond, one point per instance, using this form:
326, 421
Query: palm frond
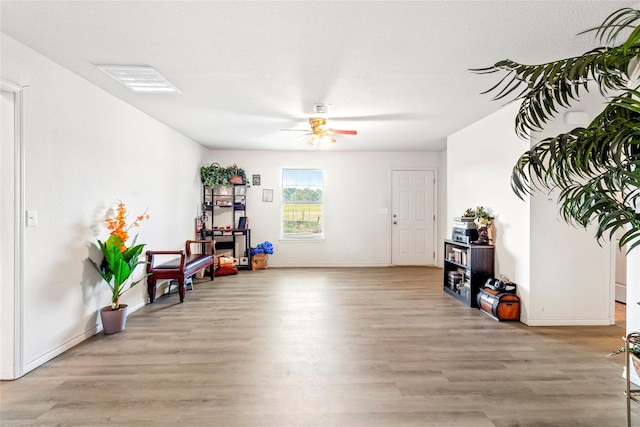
610, 141
595, 169
612, 27
597, 202
545, 88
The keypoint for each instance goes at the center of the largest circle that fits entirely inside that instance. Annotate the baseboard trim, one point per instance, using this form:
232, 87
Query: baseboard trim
344, 265
567, 322
41, 360
57, 351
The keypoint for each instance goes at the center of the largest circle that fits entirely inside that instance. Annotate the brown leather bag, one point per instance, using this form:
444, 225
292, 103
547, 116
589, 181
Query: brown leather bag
499, 305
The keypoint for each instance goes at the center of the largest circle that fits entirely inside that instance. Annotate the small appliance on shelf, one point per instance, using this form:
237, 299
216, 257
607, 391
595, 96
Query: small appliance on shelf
464, 230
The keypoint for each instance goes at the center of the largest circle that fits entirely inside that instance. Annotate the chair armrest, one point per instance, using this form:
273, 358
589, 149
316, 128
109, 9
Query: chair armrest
210, 243
165, 252
151, 254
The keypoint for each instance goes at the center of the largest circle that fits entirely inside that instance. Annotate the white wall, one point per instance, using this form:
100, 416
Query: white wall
84, 150
480, 158
357, 186
563, 276
567, 264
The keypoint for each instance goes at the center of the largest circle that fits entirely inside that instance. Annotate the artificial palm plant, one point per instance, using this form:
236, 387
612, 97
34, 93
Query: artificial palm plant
595, 168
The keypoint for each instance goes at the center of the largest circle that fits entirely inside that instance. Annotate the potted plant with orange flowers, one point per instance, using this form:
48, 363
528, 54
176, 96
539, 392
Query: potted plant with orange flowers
118, 263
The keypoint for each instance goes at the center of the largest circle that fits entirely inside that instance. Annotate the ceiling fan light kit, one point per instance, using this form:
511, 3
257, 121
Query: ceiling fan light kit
321, 134
319, 139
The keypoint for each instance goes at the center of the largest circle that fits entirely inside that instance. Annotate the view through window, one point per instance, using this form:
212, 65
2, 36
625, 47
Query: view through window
302, 213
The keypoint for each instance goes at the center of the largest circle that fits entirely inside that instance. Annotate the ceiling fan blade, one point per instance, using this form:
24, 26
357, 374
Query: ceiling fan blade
295, 130
344, 132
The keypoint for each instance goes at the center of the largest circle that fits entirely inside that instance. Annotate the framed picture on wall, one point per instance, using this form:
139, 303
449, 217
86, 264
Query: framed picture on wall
267, 195
242, 223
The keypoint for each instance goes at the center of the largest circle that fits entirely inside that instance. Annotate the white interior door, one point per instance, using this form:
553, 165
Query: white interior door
413, 217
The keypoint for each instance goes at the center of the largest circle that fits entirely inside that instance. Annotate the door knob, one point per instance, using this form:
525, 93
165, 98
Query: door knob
395, 222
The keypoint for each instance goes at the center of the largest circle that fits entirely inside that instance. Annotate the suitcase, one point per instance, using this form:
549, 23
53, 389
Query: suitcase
499, 305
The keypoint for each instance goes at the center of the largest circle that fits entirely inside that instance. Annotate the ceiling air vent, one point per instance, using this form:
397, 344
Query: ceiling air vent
139, 79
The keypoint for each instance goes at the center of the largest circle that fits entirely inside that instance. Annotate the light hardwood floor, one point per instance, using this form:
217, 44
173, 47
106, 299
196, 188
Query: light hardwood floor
326, 347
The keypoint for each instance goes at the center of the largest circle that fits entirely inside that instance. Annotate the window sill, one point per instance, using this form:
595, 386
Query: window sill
303, 239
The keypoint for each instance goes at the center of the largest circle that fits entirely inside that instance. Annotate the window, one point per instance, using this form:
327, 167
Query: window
302, 213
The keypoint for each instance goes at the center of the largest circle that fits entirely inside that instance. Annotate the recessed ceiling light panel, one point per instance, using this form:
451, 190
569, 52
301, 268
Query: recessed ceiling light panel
139, 79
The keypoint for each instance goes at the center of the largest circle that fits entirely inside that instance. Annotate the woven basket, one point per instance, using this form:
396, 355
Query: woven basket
259, 261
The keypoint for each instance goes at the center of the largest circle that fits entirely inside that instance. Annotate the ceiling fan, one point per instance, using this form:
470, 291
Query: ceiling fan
320, 133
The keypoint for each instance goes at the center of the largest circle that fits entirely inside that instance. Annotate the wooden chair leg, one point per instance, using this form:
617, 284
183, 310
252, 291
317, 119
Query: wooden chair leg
151, 290
181, 290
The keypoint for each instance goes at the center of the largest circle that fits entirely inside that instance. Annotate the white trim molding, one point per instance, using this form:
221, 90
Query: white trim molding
18, 243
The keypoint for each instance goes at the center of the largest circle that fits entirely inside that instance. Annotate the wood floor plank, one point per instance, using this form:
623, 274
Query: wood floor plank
348, 347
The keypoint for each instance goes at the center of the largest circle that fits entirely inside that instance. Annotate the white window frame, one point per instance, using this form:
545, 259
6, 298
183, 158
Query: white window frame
293, 236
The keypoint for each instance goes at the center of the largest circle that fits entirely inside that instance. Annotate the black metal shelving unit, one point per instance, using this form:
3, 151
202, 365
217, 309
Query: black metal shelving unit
227, 223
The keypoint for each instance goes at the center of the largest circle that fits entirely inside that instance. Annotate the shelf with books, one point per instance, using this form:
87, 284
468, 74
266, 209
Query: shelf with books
466, 268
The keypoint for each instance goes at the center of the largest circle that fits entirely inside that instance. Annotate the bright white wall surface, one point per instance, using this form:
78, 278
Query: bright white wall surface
84, 150
480, 158
567, 264
357, 186
564, 277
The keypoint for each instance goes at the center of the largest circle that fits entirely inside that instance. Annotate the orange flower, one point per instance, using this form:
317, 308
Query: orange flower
117, 223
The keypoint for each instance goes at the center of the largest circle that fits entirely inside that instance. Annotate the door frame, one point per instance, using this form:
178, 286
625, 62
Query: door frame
18, 243
435, 211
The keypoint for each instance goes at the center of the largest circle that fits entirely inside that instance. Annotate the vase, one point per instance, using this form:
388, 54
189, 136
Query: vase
113, 321
491, 234
483, 236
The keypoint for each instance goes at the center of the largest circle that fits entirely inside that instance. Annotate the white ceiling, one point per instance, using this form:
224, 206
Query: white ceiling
396, 71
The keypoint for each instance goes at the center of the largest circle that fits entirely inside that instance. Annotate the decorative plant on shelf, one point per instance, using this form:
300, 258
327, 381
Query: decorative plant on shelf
469, 213
593, 167
215, 175
482, 216
483, 220
119, 260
